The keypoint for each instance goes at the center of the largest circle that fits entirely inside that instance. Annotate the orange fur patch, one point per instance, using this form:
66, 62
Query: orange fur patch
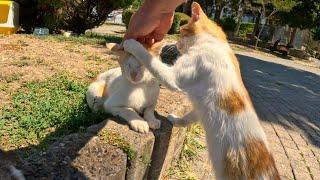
102, 90
232, 102
253, 161
202, 25
235, 62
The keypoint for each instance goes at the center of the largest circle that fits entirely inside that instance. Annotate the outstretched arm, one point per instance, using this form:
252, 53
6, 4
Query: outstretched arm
152, 21
165, 74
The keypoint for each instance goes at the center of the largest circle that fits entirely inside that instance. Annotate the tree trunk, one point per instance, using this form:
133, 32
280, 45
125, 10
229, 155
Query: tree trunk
256, 25
258, 37
239, 19
217, 13
293, 36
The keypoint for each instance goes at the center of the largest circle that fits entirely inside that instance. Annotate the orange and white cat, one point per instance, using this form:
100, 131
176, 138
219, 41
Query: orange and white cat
127, 91
208, 71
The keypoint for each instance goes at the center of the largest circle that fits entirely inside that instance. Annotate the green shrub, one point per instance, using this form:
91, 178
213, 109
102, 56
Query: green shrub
227, 24
175, 27
245, 28
179, 19
184, 18
126, 15
316, 34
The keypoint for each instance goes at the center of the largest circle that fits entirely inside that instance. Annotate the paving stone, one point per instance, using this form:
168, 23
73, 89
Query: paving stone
315, 173
303, 176
288, 143
294, 154
312, 162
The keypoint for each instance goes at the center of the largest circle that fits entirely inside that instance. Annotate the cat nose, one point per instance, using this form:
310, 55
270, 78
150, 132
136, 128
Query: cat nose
133, 75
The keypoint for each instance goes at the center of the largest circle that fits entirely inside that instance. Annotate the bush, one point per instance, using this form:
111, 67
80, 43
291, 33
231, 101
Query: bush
184, 18
245, 28
175, 27
316, 34
227, 24
76, 16
126, 15
179, 19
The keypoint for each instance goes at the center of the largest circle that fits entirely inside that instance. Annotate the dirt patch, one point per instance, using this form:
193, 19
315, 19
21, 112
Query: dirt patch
26, 58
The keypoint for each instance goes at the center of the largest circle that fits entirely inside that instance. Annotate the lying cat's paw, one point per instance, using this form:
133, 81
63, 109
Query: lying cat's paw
139, 126
154, 124
176, 120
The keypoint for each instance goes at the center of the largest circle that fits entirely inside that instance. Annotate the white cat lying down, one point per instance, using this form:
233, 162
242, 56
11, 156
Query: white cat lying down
127, 91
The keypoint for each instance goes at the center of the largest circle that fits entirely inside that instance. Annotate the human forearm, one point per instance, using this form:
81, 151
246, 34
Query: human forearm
164, 6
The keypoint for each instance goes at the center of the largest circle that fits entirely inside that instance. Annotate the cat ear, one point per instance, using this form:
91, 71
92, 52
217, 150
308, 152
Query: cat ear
196, 11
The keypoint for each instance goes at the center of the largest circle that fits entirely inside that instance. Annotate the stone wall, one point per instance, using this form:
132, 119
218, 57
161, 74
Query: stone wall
110, 150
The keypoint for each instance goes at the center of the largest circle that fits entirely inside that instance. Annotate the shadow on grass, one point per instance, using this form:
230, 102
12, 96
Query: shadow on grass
284, 95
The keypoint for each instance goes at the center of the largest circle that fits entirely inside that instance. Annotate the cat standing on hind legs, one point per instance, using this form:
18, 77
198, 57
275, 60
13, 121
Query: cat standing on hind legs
208, 71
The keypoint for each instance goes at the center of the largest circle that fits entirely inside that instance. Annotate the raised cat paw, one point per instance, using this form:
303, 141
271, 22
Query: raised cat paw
135, 48
155, 124
131, 45
139, 126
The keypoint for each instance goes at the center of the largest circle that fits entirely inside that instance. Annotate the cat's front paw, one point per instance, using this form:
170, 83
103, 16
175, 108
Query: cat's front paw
154, 124
132, 46
139, 126
176, 120
136, 49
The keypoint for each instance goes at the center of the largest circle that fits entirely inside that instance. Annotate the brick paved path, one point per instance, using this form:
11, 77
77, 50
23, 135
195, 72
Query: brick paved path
288, 102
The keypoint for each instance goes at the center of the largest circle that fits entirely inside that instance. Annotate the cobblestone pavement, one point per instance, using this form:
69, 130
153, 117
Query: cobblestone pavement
287, 99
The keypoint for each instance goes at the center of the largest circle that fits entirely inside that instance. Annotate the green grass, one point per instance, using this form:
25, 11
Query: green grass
191, 149
41, 112
87, 38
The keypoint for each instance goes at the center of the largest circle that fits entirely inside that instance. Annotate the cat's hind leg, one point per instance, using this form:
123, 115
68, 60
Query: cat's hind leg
135, 122
187, 119
95, 95
148, 115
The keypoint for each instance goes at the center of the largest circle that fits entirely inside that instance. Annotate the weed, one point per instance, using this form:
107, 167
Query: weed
146, 160
12, 77
116, 140
93, 57
4, 86
41, 108
40, 61
92, 74
190, 150
24, 61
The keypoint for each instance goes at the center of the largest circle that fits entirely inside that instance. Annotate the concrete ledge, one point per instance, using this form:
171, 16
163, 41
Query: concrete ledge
110, 150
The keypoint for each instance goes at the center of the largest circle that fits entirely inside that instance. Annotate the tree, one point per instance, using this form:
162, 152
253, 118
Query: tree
76, 16
270, 8
304, 15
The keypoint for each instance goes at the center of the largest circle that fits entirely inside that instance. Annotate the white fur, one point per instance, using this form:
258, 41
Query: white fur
204, 71
17, 174
129, 90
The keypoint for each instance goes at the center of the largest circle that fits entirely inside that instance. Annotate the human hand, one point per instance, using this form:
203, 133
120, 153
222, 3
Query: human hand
149, 25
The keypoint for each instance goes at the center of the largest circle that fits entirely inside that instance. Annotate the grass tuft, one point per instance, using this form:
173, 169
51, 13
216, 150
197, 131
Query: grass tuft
116, 140
191, 149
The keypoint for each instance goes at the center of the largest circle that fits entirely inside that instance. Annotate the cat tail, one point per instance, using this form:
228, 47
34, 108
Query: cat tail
95, 95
